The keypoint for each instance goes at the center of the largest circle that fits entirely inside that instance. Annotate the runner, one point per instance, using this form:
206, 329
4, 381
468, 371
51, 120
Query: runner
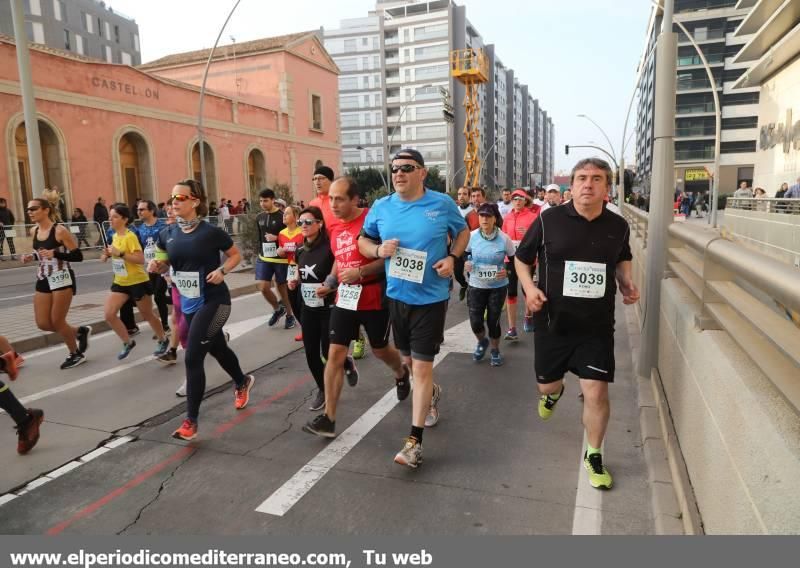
504, 205
515, 225
148, 232
55, 248
410, 229
289, 240
462, 200
193, 252
315, 261
477, 197
488, 281
269, 264
359, 302
586, 255
322, 178
130, 281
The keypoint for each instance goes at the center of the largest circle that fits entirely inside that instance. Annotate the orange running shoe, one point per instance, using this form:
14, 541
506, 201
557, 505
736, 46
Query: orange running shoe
20, 360
242, 395
10, 364
28, 435
187, 431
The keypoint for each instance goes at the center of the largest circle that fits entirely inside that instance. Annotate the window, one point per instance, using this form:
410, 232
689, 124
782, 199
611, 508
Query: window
350, 120
364, 42
740, 99
109, 54
349, 64
348, 83
349, 45
116, 33
35, 31
424, 132
351, 138
67, 45
33, 8
79, 44
316, 112
430, 52
135, 41
99, 27
88, 22
108, 31
433, 31
738, 146
429, 112
432, 72
126, 58
59, 10
739, 122
348, 102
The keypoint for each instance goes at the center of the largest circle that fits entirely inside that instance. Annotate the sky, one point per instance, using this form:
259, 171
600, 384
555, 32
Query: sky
576, 56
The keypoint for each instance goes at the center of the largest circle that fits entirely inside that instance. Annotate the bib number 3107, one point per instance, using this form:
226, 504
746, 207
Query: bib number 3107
584, 279
408, 264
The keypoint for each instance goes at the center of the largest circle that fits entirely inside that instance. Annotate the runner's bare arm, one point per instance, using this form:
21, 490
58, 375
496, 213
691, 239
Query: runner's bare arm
534, 297
627, 287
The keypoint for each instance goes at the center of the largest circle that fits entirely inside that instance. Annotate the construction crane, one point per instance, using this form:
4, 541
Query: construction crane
471, 67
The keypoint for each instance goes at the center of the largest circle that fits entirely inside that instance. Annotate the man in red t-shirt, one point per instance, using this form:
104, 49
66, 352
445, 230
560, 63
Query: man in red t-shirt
322, 178
359, 302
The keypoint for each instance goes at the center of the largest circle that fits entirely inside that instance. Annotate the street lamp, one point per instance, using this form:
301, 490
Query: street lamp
383, 179
620, 173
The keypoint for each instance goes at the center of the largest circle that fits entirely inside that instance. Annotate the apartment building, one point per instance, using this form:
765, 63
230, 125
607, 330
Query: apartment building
84, 27
712, 24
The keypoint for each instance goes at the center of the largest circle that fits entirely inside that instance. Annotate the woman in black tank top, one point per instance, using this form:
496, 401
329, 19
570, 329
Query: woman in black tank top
54, 248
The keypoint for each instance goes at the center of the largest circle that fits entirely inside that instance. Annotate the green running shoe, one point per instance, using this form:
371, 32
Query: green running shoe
599, 478
359, 348
547, 404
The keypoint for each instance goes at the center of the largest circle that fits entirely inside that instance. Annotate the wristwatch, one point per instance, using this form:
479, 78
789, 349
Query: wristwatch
454, 256
222, 269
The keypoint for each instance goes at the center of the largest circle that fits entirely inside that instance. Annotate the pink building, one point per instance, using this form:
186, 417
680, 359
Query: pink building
271, 115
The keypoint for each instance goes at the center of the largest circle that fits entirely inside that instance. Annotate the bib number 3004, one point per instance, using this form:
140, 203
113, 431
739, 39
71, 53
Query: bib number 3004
408, 264
584, 279
188, 283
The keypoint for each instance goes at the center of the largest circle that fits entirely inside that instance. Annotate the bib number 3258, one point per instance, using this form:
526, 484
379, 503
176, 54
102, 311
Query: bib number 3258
408, 264
584, 279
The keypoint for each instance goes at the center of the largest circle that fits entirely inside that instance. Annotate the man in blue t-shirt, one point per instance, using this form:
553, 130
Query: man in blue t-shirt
411, 229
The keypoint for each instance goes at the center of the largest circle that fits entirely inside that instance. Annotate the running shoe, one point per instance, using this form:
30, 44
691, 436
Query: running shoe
84, 332
411, 454
321, 425
511, 335
599, 478
168, 358
289, 322
73, 360
299, 337
181, 391
547, 404
134, 331
187, 431
319, 401
276, 315
462, 293
242, 394
227, 336
19, 359
528, 324
126, 349
359, 348
480, 349
432, 419
162, 347
350, 371
497, 359
28, 435
11, 364
403, 385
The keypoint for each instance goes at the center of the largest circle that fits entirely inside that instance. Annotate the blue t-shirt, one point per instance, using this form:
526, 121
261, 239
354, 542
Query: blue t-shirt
488, 256
148, 234
422, 225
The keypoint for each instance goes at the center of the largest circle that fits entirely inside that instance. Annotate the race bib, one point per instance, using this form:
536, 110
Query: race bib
584, 279
187, 283
310, 298
118, 267
290, 247
149, 253
486, 271
291, 273
408, 264
349, 296
269, 250
59, 279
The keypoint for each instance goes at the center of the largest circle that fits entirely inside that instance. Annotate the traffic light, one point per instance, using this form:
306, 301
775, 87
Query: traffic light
566, 149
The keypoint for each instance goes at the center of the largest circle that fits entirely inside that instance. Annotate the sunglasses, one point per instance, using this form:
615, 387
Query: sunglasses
518, 198
32, 209
181, 197
318, 178
405, 168
307, 222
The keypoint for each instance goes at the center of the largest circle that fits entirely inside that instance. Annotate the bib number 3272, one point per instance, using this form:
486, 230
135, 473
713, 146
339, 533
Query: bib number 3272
188, 283
310, 298
408, 264
584, 279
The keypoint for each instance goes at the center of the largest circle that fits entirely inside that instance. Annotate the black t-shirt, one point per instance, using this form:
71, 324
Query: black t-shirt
314, 263
198, 251
271, 223
564, 241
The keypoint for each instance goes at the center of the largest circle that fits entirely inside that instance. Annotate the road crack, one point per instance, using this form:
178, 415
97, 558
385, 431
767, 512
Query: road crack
289, 424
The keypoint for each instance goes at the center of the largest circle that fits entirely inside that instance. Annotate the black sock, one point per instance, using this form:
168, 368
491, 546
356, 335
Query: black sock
416, 433
10, 404
173, 350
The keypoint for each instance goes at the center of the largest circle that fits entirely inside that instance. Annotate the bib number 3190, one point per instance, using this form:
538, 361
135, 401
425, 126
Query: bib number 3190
584, 279
408, 264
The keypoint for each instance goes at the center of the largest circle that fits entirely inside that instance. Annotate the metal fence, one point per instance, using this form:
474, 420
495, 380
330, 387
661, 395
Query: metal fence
17, 239
765, 204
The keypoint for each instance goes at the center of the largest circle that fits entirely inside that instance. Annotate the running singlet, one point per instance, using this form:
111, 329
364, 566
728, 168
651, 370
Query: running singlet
422, 227
193, 256
271, 223
290, 242
55, 271
148, 236
127, 273
367, 293
488, 257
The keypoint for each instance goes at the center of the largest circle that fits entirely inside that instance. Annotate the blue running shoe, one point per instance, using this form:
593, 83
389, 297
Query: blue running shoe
126, 349
497, 359
480, 349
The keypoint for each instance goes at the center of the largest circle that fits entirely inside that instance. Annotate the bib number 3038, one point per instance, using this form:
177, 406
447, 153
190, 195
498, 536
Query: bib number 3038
408, 264
584, 279
188, 283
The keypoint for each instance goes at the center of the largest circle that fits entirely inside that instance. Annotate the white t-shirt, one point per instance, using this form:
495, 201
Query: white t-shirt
505, 209
465, 210
224, 213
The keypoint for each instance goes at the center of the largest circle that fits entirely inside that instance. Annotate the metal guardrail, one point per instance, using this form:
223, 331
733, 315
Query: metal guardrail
17, 239
736, 287
765, 204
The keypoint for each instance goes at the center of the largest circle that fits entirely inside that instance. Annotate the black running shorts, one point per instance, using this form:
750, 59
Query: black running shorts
587, 356
43, 285
418, 330
344, 326
135, 291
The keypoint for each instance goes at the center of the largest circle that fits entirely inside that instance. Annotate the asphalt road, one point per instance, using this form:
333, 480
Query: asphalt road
16, 284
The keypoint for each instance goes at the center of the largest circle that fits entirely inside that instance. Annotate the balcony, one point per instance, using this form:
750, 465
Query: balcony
695, 131
394, 40
694, 155
712, 58
393, 100
693, 85
701, 36
392, 61
695, 108
392, 79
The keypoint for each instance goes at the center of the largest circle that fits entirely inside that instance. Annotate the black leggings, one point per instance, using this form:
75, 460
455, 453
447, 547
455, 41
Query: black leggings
316, 340
487, 301
297, 304
205, 336
12, 405
160, 296
126, 314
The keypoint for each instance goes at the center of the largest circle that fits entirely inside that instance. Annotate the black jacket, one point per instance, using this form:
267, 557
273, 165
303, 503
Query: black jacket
6, 217
100, 213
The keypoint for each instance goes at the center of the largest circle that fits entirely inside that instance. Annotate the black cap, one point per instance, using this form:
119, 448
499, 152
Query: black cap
410, 154
487, 209
325, 171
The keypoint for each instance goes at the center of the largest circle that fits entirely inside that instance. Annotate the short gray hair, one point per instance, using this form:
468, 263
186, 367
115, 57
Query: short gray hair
595, 163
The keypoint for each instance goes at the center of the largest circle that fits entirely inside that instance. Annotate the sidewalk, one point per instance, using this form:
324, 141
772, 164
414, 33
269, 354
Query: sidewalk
20, 328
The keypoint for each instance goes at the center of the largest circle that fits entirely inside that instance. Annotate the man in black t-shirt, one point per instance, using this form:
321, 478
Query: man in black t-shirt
269, 265
583, 253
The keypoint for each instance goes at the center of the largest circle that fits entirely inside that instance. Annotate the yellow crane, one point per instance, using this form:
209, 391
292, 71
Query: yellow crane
471, 67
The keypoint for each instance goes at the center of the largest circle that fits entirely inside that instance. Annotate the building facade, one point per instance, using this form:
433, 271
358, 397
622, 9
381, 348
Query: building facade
85, 27
118, 132
712, 24
395, 78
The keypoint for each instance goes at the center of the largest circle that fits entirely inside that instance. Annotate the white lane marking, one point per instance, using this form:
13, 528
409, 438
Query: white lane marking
588, 516
458, 339
15, 297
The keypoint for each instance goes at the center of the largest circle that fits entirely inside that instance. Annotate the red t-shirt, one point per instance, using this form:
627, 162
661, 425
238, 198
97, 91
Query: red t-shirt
294, 242
344, 244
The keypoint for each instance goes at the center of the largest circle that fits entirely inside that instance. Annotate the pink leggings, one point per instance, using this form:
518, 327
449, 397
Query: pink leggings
180, 321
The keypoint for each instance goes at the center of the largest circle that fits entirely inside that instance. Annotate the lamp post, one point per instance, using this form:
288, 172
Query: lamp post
400, 118
383, 179
620, 173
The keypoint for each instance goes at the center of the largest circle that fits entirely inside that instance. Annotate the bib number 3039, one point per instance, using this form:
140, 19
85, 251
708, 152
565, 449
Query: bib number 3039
408, 264
349, 296
59, 279
584, 279
188, 283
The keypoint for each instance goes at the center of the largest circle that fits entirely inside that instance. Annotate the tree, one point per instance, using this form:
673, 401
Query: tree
368, 179
435, 181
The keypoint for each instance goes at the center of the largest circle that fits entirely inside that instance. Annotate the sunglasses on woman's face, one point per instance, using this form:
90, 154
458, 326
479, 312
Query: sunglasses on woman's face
405, 168
181, 197
32, 209
307, 222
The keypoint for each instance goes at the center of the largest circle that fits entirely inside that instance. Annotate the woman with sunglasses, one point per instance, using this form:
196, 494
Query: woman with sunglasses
193, 250
315, 262
55, 248
131, 281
